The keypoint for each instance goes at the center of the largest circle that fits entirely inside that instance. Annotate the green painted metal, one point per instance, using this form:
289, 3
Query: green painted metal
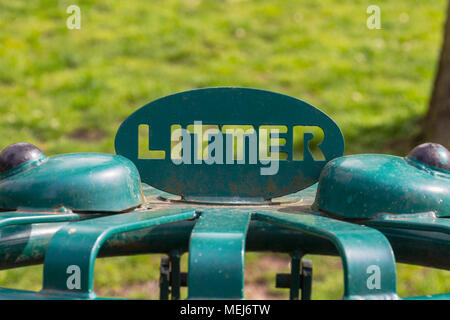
28, 243
219, 180
419, 222
363, 186
364, 209
261, 236
20, 218
362, 250
216, 255
84, 240
97, 183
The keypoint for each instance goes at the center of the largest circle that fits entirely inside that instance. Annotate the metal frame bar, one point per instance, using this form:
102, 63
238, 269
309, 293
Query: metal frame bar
216, 259
361, 249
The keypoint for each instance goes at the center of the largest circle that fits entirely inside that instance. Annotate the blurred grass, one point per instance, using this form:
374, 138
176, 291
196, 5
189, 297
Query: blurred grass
68, 90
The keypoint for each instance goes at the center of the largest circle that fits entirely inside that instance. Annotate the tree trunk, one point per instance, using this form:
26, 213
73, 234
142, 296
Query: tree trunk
437, 120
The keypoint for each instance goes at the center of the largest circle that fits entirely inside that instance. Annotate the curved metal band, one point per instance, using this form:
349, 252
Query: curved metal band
367, 257
216, 255
83, 241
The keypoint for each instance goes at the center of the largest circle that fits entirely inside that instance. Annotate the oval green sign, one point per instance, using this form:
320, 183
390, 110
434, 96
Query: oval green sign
229, 144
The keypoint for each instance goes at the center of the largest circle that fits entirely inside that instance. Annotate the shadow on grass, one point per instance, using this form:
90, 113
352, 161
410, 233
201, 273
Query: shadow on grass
397, 137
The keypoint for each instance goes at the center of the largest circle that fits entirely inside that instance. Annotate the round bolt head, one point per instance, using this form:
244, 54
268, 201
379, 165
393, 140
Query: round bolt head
432, 154
18, 153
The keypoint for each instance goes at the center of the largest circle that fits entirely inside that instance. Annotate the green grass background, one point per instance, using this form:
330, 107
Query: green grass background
68, 90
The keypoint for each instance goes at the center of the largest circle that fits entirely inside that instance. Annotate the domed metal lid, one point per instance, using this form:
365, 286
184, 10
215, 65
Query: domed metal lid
81, 182
363, 186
